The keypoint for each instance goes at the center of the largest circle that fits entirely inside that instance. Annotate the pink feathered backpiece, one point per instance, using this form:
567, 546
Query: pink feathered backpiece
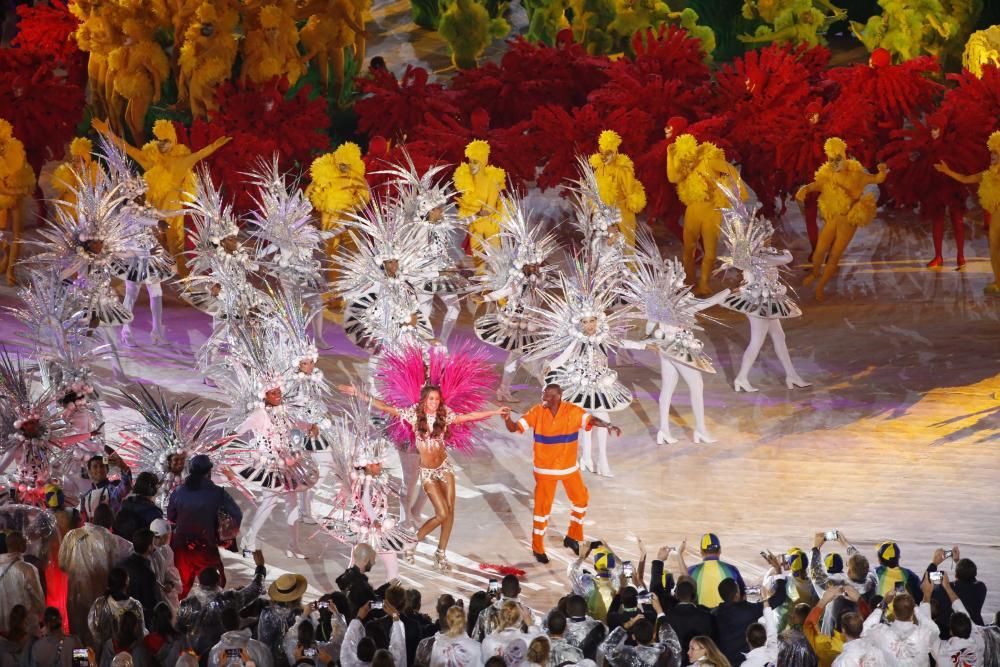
465, 376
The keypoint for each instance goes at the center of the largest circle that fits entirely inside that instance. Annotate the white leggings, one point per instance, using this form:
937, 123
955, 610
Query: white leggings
155, 291
670, 371
451, 311
760, 329
263, 513
602, 443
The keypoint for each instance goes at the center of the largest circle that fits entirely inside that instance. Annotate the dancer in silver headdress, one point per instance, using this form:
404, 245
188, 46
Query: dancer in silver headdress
56, 321
150, 265
577, 326
220, 269
89, 238
287, 241
362, 508
656, 287
762, 297
275, 465
514, 274
33, 436
425, 201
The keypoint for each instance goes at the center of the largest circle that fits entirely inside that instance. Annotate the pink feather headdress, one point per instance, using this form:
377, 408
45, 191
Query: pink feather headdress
465, 376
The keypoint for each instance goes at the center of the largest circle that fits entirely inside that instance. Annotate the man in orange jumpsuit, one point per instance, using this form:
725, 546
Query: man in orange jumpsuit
557, 430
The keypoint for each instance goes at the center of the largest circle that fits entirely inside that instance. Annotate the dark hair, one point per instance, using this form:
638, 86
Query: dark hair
52, 618
69, 397
163, 620
799, 614
366, 649
756, 635
383, 658
396, 596
556, 622
477, 603
95, 457
16, 542
642, 630
440, 429
104, 516
794, 649
960, 625
576, 605
553, 385
445, 602
495, 661
729, 590
142, 540
146, 484
306, 633
841, 607
510, 587
629, 597
209, 577
378, 62
413, 600
685, 590
17, 621
966, 570
118, 581
852, 624
129, 630
230, 618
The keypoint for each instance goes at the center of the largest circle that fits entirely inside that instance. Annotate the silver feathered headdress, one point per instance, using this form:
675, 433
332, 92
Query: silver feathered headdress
421, 194
291, 317
254, 367
591, 215
588, 292
213, 220
282, 224
523, 242
380, 233
745, 235
656, 286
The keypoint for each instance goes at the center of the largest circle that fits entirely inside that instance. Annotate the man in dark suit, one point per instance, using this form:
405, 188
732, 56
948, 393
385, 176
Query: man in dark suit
688, 618
732, 618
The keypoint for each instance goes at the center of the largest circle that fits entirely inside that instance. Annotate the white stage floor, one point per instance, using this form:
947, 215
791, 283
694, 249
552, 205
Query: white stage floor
897, 438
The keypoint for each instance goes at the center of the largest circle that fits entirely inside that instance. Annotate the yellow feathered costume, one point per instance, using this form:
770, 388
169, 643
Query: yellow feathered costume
479, 185
338, 187
17, 181
617, 183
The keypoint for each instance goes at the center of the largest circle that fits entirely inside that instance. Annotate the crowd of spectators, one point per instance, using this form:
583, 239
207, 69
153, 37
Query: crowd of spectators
120, 585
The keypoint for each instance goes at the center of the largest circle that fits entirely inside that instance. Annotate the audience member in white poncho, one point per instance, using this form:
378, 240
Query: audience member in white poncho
859, 651
561, 651
355, 636
236, 639
167, 576
454, 648
87, 555
965, 646
763, 640
512, 618
19, 583
910, 637
107, 611
489, 619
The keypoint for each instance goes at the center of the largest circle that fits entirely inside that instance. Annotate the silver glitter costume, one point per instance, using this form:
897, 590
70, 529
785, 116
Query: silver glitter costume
617, 653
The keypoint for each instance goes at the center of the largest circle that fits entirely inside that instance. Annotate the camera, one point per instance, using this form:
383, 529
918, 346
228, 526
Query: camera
323, 604
247, 553
309, 653
494, 587
627, 568
81, 658
645, 598
752, 590
948, 553
900, 587
233, 653
377, 604
935, 577
831, 535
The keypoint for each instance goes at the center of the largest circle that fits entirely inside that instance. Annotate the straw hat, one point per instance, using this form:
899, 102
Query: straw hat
287, 588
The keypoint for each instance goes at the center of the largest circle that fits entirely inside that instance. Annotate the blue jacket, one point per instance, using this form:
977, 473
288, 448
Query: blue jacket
194, 510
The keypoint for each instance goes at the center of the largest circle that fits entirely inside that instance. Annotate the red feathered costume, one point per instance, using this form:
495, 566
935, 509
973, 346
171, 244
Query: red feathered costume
394, 108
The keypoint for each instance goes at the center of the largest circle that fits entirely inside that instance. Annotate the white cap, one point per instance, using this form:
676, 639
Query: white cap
160, 527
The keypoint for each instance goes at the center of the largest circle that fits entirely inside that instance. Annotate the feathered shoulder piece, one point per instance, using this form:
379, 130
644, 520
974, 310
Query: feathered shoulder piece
464, 374
581, 312
291, 320
282, 225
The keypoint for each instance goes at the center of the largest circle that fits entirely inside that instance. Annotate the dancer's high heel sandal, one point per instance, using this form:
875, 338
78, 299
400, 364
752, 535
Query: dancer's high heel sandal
700, 437
793, 382
587, 466
665, 438
441, 561
743, 385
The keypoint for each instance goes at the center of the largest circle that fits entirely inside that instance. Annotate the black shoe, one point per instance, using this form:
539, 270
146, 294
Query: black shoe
571, 544
541, 558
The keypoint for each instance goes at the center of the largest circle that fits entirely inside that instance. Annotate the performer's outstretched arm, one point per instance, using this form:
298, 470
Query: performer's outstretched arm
485, 414
511, 424
351, 390
600, 423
